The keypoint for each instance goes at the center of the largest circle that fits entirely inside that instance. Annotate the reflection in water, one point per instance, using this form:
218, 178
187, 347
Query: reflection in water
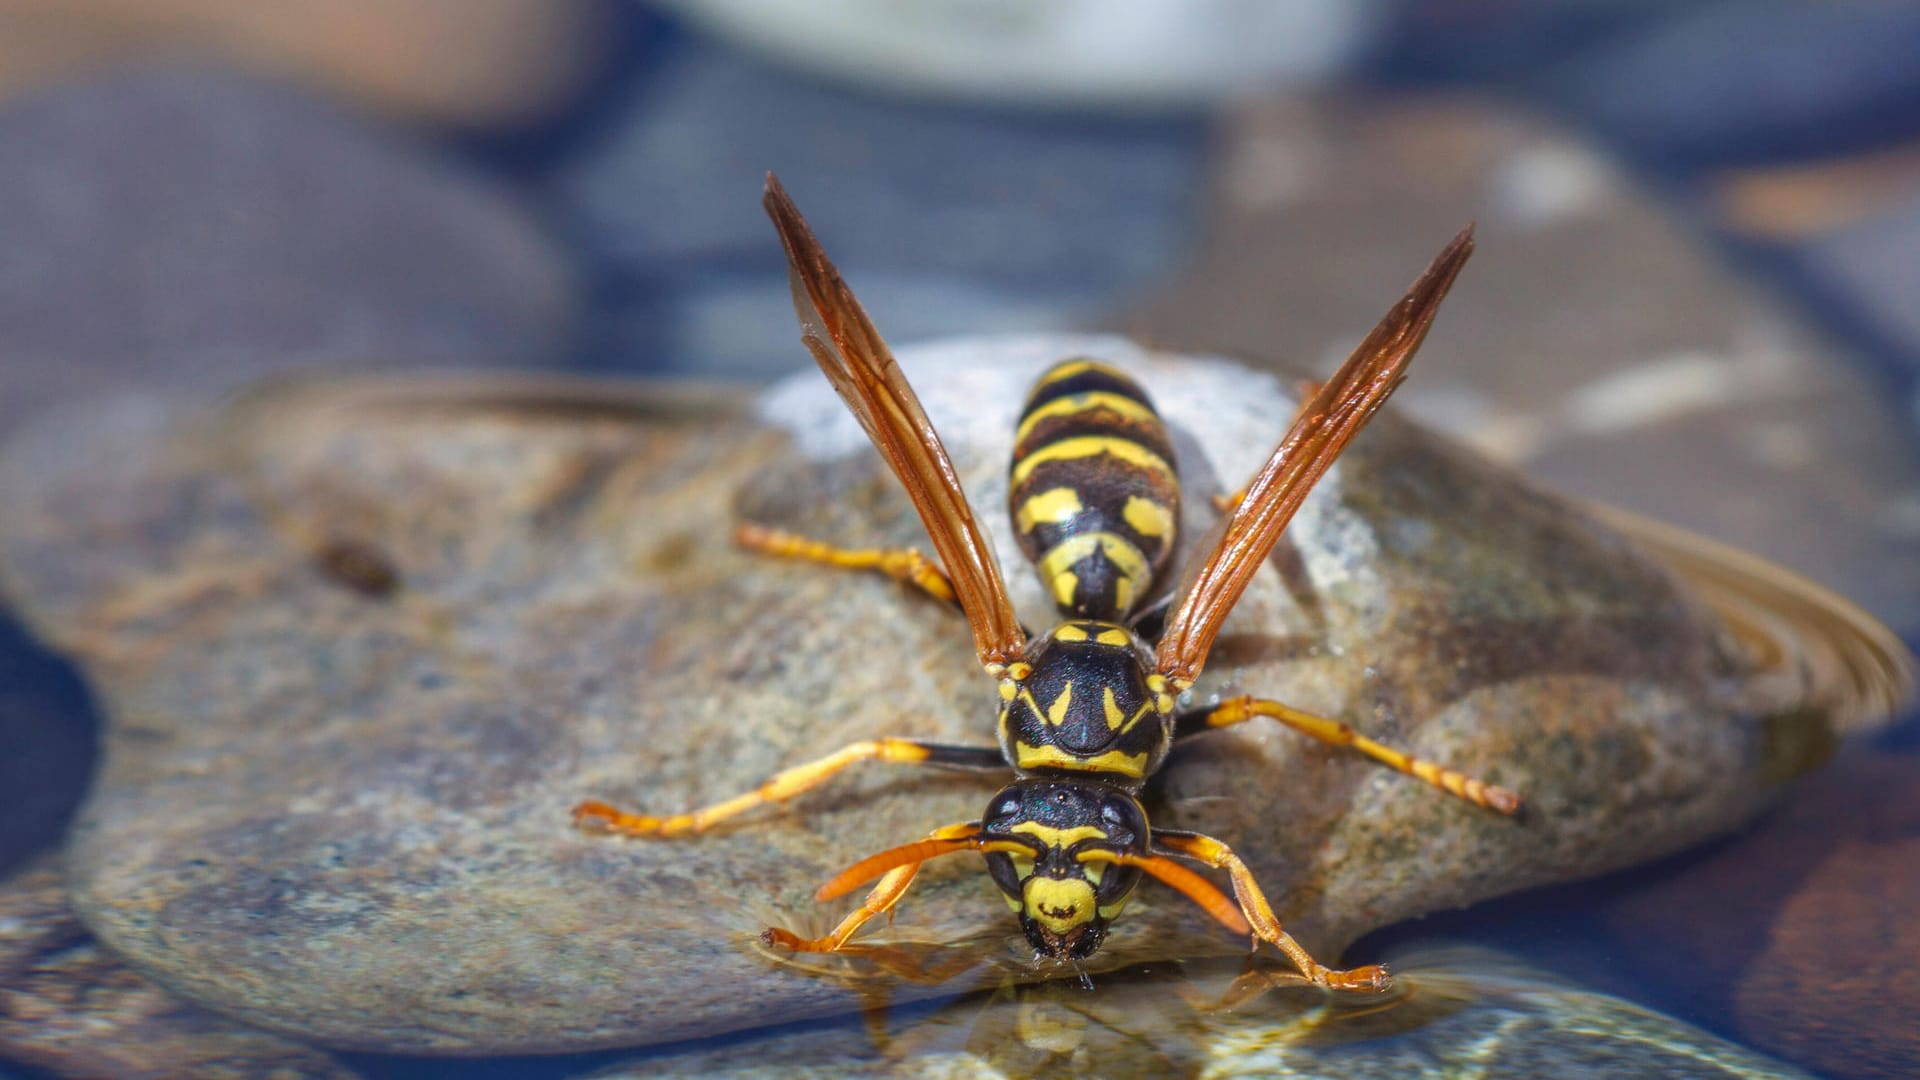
1452, 1010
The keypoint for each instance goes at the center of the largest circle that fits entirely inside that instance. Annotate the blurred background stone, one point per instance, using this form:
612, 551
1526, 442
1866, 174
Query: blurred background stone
174, 228
1592, 343
479, 64
950, 221
1145, 55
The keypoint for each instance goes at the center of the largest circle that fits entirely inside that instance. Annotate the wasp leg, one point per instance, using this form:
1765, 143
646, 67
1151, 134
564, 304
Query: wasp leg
1259, 913
906, 565
601, 817
1305, 389
1241, 709
893, 885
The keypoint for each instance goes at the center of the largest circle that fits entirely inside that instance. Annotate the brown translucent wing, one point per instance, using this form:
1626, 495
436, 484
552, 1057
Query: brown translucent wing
1321, 430
1834, 657
858, 363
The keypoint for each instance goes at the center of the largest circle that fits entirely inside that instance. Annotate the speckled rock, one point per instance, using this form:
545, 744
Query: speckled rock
362, 645
1463, 1013
72, 1008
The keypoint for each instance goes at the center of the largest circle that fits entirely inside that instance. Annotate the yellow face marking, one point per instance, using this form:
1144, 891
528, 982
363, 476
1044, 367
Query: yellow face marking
1115, 717
1069, 632
1108, 911
1059, 838
1080, 446
1147, 517
1115, 636
1059, 904
1057, 712
1073, 403
1051, 507
1052, 757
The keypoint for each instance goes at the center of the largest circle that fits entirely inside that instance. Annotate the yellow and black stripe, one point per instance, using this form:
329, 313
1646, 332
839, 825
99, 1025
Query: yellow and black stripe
1093, 493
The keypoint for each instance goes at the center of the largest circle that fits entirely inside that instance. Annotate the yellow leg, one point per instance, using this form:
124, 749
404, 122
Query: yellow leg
893, 885
1241, 709
601, 817
901, 564
1260, 916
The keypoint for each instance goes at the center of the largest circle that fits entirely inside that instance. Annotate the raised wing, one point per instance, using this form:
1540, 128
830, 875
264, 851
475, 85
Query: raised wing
1321, 430
863, 371
1832, 656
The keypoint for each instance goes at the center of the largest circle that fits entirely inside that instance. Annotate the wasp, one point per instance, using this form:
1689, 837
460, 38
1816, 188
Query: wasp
1089, 710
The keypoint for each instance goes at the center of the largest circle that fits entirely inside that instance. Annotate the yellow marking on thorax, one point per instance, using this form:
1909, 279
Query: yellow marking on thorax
1162, 700
1115, 717
1052, 757
1026, 698
1147, 517
1080, 446
1081, 402
1115, 636
1057, 712
1060, 838
1051, 507
1069, 632
1008, 688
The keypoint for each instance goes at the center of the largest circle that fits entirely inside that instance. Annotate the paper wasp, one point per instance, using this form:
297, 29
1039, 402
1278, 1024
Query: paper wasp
1088, 710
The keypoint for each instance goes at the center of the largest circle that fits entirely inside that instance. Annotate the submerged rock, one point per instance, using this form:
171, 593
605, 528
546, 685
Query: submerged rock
363, 645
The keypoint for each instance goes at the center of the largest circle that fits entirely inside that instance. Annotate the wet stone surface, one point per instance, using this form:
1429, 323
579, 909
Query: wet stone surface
361, 646
74, 1009
1461, 1012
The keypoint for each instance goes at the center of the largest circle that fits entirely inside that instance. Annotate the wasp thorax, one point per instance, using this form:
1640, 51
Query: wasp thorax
1088, 702
1069, 888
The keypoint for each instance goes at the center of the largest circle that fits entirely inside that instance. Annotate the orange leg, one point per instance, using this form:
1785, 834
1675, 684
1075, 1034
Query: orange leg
1241, 709
1259, 914
901, 564
893, 885
602, 817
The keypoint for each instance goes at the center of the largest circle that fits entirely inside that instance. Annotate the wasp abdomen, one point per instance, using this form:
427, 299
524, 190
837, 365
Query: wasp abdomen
1093, 493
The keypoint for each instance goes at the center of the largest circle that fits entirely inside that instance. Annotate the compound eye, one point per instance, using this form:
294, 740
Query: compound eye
1120, 818
1004, 808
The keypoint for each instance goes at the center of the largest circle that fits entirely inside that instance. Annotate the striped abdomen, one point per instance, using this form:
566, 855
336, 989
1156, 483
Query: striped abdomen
1094, 498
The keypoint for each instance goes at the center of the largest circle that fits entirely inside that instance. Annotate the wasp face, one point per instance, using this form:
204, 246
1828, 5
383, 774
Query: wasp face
1065, 900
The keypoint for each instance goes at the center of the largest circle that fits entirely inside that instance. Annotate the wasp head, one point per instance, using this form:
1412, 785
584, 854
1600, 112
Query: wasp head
1065, 892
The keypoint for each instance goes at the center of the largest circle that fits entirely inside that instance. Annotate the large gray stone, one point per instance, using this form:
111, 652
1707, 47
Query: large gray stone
362, 646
